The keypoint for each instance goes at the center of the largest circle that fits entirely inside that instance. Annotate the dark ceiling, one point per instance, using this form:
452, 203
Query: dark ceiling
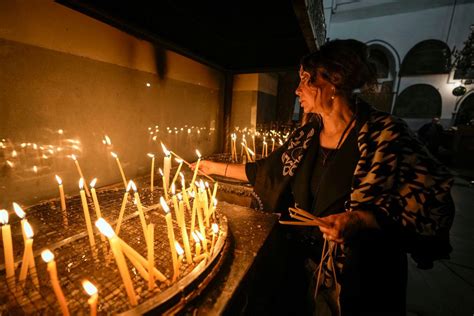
237, 36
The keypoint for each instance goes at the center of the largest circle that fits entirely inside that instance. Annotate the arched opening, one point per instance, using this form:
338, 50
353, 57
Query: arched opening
427, 57
466, 111
418, 101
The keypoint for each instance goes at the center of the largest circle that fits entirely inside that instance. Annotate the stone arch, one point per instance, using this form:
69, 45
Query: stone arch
427, 57
418, 101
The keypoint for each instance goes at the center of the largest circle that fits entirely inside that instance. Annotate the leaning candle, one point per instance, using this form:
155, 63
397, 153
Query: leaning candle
273, 144
141, 215
196, 168
166, 165
184, 191
21, 214
96, 202
61, 193
174, 199
251, 153
120, 168
164, 184
151, 255
48, 257
180, 161
171, 238
202, 239
28, 261
152, 173
184, 233
180, 252
122, 208
91, 290
87, 216
76, 162
215, 231
7, 248
107, 230
197, 244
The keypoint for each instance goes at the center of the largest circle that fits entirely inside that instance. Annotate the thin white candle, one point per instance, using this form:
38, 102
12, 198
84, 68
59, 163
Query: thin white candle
124, 179
61, 193
180, 162
141, 215
152, 173
21, 214
196, 169
87, 215
165, 184
28, 261
79, 170
169, 225
166, 165
48, 257
122, 208
7, 248
184, 233
91, 290
151, 255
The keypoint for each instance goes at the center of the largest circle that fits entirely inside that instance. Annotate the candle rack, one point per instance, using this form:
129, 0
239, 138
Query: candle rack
64, 233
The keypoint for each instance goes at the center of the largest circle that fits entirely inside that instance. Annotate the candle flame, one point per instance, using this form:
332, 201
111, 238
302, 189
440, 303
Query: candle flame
11, 164
154, 138
207, 184
104, 227
215, 228
195, 237
164, 205
161, 171
134, 187
81, 183
201, 237
107, 140
35, 169
129, 186
18, 210
215, 202
14, 153
4, 217
166, 151
180, 196
28, 230
89, 287
73, 157
198, 153
93, 182
173, 188
114, 155
180, 161
59, 180
250, 151
179, 249
151, 155
60, 131
47, 255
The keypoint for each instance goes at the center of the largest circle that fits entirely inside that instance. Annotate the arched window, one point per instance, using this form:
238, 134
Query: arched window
466, 111
381, 61
418, 101
427, 57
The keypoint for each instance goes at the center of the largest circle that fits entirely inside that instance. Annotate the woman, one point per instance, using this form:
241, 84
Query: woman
366, 176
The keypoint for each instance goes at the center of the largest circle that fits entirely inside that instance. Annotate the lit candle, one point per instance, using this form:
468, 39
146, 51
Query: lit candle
184, 191
180, 252
122, 208
251, 153
107, 230
208, 188
28, 261
166, 165
204, 203
48, 257
247, 152
196, 169
175, 205
184, 233
214, 192
79, 170
202, 239
21, 214
273, 144
96, 202
215, 230
141, 215
87, 216
197, 243
202, 229
152, 171
61, 193
180, 161
164, 184
151, 255
253, 142
171, 238
193, 211
120, 168
91, 290
7, 248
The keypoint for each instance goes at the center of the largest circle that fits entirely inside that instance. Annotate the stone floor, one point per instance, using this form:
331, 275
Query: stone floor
448, 288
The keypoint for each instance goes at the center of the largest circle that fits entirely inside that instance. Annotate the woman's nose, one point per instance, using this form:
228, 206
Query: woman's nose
298, 90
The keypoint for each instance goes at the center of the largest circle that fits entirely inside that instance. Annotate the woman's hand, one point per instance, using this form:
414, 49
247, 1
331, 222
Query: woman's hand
207, 167
343, 226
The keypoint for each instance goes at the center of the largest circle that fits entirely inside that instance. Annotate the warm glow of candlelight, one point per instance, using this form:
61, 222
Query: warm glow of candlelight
151, 155
173, 189
47, 255
28, 230
73, 157
195, 237
93, 182
180, 196
164, 205
215, 228
18, 210
179, 161
198, 153
250, 151
179, 249
89, 287
107, 140
4, 217
200, 236
133, 186
129, 186
59, 180
114, 154
104, 228
81, 183
160, 171
166, 151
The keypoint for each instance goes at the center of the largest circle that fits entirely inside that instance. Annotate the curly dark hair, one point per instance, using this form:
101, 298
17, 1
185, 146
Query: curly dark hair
344, 63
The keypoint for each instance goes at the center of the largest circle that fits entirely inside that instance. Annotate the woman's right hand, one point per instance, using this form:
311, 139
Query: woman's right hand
206, 166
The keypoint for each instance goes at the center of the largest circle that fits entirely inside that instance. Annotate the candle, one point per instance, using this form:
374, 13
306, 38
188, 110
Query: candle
61, 193
214, 192
251, 153
87, 216
96, 202
180, 252
120, 168
196, 167
152, 171
122, 208
197, 243
184, 233
28, 261
141, 215
21, 214
273, 144
208, 188
215, 230
48, 257
184, 191
244, 144
180, 161
151, 255
79, 170
247, 152
171, 238
193, 211
175, 205
253, 143
202, 229
7, 248
204, 202
202, 239
91, 290
164, 184
105, 229
166, 165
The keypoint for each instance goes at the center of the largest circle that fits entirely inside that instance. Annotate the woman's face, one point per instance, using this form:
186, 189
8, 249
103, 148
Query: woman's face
314, 96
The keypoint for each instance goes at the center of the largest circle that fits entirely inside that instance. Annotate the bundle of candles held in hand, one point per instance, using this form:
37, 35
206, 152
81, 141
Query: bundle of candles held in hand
134, 247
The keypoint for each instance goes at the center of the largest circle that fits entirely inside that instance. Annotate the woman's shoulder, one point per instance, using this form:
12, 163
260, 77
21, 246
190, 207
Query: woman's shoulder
379, 119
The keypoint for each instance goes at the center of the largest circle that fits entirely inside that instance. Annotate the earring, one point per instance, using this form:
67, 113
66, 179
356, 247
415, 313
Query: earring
333, 93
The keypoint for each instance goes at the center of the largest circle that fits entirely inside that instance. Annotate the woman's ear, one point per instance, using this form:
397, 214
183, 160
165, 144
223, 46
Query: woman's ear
336, 79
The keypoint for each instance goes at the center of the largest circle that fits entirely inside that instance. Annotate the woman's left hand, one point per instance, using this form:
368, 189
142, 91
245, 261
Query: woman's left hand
342, 227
